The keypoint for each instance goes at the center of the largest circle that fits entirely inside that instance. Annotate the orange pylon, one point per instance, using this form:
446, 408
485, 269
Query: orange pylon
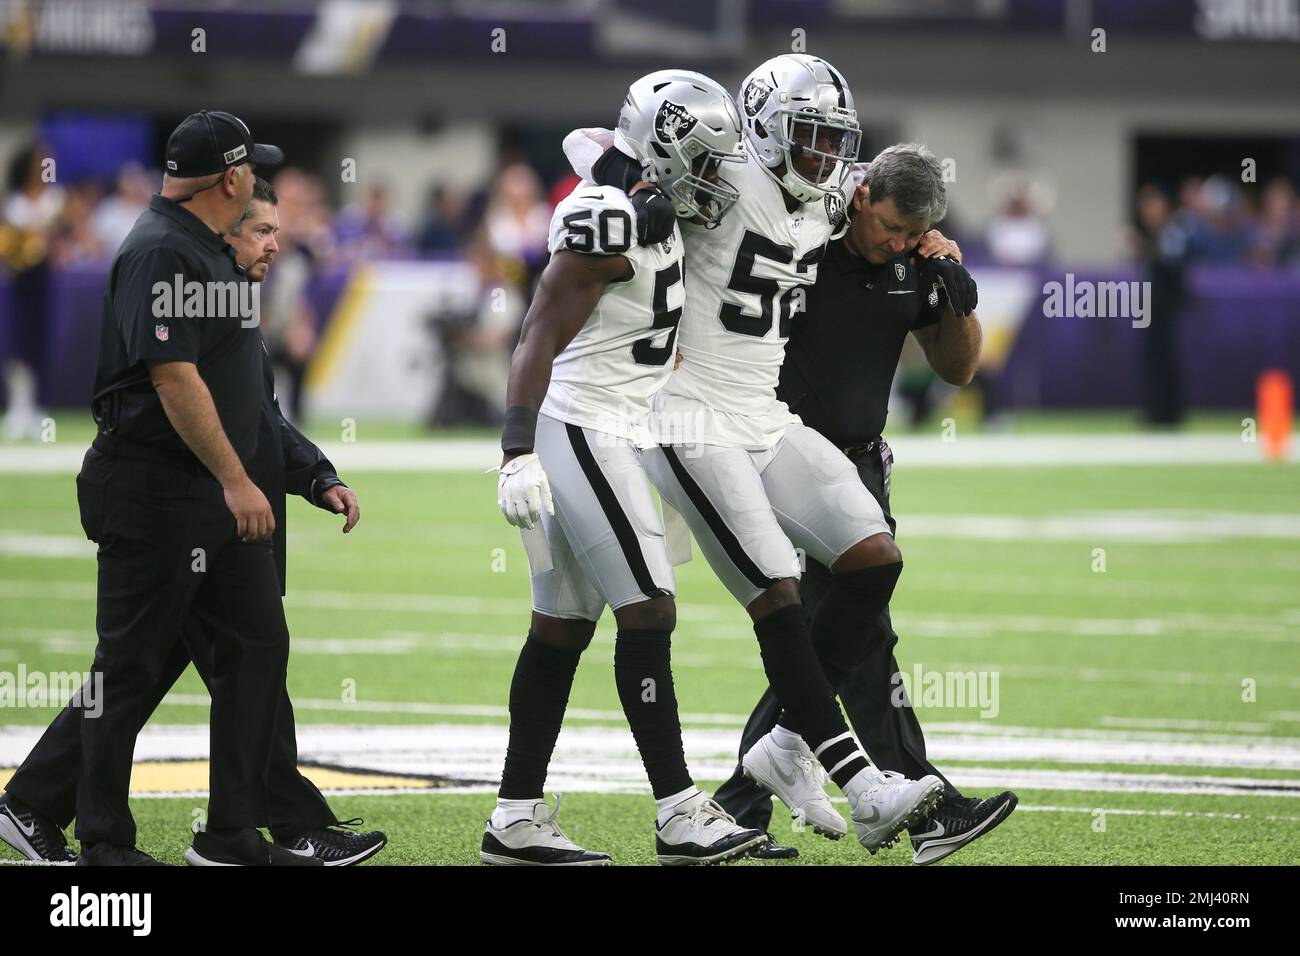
1275, 411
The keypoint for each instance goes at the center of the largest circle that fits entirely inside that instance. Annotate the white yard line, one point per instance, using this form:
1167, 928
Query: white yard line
981, 451
1133, 527
605, 758
728, 622
403, 644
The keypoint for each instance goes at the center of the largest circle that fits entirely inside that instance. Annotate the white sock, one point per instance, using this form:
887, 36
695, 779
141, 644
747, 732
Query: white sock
785, 739
866, 777
512, 811
669, 806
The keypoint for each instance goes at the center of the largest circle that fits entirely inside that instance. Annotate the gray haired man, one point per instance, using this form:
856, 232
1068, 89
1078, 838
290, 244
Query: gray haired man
890, 275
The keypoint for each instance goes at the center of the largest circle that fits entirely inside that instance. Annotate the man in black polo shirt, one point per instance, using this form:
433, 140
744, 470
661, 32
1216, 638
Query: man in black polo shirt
166, 491
887, 277
41, 798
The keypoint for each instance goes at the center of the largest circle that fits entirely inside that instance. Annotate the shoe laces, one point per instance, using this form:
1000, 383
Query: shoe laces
812, 767
550, 824
707, 811
881, 780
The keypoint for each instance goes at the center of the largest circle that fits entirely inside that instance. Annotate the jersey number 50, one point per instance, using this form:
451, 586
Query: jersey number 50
581, 237
734, 317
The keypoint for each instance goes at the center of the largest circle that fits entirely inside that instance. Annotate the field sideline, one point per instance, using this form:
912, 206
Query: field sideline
1123, 636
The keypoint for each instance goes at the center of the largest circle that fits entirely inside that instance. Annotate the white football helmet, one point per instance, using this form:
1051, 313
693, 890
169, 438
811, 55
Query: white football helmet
682, 126
797, 106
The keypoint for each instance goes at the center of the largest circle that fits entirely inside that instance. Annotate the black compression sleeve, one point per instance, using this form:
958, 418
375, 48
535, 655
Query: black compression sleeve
616, 168
519, 431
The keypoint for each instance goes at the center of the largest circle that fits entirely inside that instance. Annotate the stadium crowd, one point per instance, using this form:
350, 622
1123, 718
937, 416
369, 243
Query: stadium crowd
501, 231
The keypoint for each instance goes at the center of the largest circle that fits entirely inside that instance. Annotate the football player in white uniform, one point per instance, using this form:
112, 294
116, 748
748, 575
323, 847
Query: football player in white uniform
751, 480
597, 343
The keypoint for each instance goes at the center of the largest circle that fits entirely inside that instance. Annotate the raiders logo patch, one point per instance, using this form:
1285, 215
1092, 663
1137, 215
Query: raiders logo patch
756, 94
668, 245
933, 298
835, 209
900, 270
673, 122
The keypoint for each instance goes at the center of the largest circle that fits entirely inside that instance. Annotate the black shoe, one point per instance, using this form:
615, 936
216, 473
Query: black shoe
771, 850
32, 835
336, 845
957, 821
109, 854
242, 848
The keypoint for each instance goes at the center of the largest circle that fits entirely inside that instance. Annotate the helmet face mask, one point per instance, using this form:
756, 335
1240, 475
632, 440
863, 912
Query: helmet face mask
701, 195
682, 127
801, 123
816, 143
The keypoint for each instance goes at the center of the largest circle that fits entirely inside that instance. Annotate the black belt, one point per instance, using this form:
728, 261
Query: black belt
854, 452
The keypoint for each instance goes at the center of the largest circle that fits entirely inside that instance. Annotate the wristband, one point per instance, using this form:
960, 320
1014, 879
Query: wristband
520, 430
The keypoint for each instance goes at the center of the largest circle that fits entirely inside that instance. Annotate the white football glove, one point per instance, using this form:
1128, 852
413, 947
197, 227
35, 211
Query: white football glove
523, 491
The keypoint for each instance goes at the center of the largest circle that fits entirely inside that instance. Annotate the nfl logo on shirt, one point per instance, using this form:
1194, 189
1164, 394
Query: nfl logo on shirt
161, 332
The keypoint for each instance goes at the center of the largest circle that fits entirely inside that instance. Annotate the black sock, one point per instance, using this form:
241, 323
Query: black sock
539, 693
644, 677
799, 684
846, 616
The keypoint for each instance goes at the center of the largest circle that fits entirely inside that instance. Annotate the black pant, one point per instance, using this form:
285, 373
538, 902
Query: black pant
47, 780
890, 735
168, 549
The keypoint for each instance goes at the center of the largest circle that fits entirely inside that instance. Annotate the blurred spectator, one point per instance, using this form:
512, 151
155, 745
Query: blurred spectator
74, 241
118, 213
516, 223
508, 252
1275, 234
29, 218
478, 346
1163, 247
369, 230
443, 228
305, 217
1212, 217
1017, 235
289, 320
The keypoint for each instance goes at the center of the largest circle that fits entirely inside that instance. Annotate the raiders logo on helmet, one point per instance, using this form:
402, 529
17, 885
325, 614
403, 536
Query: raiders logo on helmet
673, 122
835, 209
756, 94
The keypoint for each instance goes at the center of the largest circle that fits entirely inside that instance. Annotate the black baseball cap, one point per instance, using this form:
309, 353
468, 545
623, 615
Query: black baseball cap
211, 142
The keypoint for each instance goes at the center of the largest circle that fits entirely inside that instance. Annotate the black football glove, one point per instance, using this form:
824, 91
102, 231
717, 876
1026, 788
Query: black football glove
957, 282
655, 216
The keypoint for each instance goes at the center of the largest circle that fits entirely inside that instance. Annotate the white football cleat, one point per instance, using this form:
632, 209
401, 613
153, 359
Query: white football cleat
797, 777
701, 832
883, 805
535, 842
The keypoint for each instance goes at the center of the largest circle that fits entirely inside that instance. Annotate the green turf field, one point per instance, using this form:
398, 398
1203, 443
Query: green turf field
1139, 709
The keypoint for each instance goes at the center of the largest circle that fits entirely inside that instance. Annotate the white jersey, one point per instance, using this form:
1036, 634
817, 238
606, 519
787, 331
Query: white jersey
622, 356
749, 277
